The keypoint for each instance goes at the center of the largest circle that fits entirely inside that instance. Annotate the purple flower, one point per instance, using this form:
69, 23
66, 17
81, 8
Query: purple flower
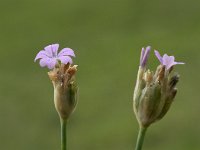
144, 56
49, 56
167, 61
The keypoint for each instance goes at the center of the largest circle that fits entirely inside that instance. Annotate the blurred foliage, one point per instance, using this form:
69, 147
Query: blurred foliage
107, 37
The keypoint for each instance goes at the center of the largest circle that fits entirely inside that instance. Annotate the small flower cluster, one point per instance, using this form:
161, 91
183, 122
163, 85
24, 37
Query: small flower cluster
154, 93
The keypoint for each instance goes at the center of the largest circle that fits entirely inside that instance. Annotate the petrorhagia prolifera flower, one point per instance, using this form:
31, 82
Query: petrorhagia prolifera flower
154, 92
49, 57
62, 74
167, 61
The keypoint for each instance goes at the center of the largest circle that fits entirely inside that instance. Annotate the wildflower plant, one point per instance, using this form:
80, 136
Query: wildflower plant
154, 92
62, 74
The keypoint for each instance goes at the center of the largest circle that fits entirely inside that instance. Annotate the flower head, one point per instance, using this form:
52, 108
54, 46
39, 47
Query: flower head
144, 56
49, 57
167, 61
154, 92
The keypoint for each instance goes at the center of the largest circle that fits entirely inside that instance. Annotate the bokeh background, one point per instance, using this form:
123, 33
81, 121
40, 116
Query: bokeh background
107, 36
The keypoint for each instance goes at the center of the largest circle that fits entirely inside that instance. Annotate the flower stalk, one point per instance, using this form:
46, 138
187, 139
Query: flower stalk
62, 74
140, 138
65, 96
154, 92
63, 134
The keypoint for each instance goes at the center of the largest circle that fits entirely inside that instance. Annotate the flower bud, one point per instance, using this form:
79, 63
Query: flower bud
65, 89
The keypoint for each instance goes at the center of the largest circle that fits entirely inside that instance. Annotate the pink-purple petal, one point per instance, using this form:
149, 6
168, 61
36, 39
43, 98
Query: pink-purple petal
145, 56
55, 49
51, 64
48, 62
43, 62
41, 54
158, 56
169, 65
142, 54
48, 50
65, 59
166, 60
66, 51
180, 63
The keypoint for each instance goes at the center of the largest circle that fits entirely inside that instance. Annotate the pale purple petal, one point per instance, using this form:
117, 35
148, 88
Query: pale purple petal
167, 61
175, 63
49, 56
142, 54
66, 51
158, 56
41, 54
52, 63
48, 62
65, 59
43, 62
54, 48
169, 65
180, 63
48, 50
145, 56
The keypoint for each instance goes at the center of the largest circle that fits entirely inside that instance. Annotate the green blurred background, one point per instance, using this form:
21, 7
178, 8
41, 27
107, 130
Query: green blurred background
107, 36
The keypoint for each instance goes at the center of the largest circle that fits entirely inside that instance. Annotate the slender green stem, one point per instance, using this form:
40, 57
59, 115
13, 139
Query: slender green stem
63, 134
140, 138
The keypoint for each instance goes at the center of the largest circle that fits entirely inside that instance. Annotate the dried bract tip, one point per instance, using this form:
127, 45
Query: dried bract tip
148, 76
72, 70
161, 74
174, 80
174, 92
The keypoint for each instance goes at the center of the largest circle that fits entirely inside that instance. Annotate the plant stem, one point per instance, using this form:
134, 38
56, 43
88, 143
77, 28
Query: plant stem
140, 138
63, 134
